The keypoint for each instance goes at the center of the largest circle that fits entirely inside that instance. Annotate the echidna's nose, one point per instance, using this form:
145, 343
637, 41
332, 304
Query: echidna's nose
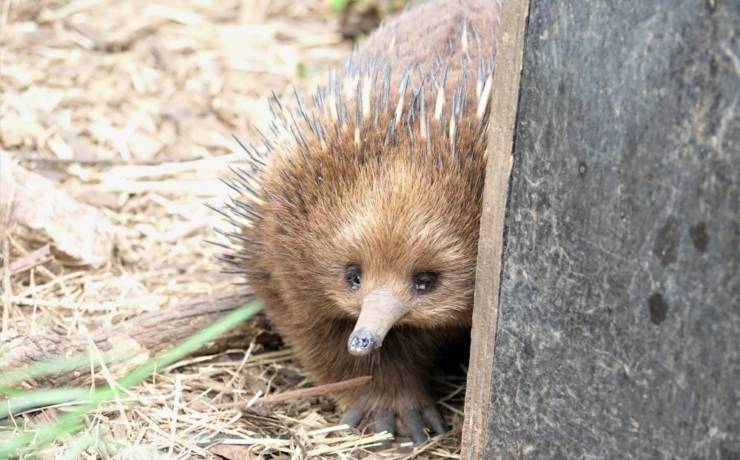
380, 311
361, 342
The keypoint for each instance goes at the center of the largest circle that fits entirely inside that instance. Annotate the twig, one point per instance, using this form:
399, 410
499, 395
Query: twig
99, 161
30, 260
6, 287
319, 390
43, 270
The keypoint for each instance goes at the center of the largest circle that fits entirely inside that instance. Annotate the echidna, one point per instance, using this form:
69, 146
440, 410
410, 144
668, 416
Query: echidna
357, 223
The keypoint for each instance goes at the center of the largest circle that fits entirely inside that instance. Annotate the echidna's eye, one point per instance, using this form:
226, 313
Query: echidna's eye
424, 282
353, 276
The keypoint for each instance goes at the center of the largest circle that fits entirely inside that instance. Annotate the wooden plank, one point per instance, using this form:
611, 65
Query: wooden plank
619, 314
488, 273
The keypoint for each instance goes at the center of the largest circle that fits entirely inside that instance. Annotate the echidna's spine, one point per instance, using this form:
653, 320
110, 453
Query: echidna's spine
423, 108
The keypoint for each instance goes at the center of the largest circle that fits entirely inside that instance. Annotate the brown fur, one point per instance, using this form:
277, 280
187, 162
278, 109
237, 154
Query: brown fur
338, 189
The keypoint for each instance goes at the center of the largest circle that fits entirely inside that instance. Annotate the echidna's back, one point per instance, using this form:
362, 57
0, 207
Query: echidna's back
432, 34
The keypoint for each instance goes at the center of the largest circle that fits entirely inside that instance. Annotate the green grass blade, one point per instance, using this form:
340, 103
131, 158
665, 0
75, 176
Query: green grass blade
53, 366
72, 421
191, 344
338, 5
85, 441
42, 398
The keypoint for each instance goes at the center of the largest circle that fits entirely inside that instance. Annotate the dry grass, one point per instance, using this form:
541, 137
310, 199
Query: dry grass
129, 106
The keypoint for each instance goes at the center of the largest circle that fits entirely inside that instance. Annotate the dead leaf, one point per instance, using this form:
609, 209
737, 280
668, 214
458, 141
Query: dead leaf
232, 452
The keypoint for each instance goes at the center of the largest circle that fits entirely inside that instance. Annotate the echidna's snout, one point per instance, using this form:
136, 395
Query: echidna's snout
380, 311
361, 342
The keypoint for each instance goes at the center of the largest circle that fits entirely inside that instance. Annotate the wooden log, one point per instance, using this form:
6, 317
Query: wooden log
135, 340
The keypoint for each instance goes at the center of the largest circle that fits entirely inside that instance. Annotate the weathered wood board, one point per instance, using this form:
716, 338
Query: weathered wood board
498, 171
618, 329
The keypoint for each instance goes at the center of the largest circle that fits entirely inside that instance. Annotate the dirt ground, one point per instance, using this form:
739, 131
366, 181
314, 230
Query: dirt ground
129, 107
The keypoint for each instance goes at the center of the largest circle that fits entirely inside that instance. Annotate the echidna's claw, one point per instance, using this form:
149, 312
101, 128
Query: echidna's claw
414, 425
406, 420
352, 416
384, 421
434, 420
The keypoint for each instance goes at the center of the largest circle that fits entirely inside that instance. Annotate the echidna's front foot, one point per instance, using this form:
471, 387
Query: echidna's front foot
413, 419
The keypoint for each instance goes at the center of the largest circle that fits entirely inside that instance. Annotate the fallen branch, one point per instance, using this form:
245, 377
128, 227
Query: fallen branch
320, 390
137, 339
